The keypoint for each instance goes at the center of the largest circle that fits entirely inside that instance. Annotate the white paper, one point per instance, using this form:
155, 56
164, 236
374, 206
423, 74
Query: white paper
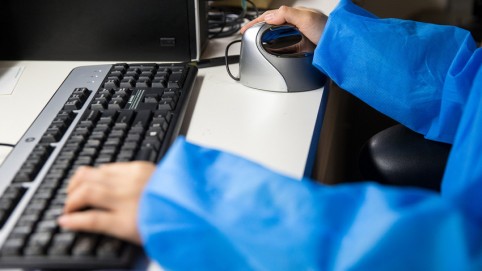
9, 78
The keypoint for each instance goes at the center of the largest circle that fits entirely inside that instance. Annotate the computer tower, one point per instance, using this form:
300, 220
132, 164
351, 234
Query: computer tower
103, 30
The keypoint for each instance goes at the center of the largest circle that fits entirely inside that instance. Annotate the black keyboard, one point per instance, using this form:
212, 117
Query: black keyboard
100, 114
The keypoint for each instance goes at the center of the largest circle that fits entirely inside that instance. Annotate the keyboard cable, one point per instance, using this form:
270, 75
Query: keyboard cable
7, 145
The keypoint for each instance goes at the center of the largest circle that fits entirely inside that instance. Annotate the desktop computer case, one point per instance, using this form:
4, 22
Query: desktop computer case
103, 30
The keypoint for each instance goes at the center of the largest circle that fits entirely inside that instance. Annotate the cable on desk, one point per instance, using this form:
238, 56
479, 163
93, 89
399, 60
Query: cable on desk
226, 21
254, 7
216, 61
7, 145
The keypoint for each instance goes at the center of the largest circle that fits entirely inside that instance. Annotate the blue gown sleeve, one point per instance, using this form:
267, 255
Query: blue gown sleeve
209, 210
416, 73
205, 209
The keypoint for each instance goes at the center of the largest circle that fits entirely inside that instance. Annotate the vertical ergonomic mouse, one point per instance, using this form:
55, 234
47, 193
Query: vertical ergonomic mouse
277, 58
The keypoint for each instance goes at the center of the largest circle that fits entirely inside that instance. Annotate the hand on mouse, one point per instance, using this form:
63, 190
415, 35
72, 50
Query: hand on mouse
309, 21
111, 193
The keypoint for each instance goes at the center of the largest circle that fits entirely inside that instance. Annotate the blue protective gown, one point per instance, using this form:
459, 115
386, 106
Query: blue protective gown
208, 210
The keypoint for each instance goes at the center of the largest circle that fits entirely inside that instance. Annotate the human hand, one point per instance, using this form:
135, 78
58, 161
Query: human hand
111, 193
309, 21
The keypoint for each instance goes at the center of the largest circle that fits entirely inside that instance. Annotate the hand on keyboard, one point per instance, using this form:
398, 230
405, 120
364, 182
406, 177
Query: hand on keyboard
111, 192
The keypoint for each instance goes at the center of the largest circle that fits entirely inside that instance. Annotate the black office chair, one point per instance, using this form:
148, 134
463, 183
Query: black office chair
399, 156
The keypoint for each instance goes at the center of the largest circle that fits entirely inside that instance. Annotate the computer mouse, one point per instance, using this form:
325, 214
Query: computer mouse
274, 58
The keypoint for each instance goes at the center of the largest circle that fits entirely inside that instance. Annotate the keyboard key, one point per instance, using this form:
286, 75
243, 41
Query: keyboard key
8, 201
165, 105
146, 154
13, 247
85, 245
113, 83
73, 105
62, 243
109, 248
142, 119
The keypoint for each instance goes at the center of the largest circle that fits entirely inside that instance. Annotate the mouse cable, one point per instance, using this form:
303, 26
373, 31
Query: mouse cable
226, 57
216, 61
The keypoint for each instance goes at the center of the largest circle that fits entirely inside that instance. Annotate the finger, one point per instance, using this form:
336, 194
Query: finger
100, 174
261, 18
98, 221
89, 195
286, 15
83, 174
91, 221
113, 169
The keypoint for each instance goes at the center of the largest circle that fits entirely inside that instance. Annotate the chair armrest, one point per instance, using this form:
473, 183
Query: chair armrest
399, 156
